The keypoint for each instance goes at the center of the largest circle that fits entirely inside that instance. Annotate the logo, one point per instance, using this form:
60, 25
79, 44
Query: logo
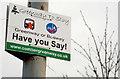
29, 24
51, 28
14, 10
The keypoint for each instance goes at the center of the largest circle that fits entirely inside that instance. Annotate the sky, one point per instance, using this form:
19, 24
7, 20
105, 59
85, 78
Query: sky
94, 12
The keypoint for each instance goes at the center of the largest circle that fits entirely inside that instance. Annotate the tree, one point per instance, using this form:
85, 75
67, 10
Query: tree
109, 63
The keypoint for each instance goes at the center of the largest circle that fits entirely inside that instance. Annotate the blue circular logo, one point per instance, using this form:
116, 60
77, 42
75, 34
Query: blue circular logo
51, 28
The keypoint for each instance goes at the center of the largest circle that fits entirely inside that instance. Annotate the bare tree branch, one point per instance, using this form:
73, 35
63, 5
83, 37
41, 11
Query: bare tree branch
106, 42
87, 57
98, 53
105, 52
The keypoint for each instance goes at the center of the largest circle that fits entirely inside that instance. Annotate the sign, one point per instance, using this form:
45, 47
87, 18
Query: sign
38, 32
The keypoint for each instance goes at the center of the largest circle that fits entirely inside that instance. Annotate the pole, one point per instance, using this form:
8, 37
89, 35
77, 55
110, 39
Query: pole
35, 66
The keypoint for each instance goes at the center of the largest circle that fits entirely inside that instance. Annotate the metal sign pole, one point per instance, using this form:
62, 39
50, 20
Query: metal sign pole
35, 66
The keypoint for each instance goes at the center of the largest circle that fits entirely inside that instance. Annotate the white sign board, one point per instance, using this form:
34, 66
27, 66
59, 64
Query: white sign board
38, 32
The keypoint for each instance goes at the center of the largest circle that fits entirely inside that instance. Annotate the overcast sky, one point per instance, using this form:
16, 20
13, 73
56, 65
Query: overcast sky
94, 12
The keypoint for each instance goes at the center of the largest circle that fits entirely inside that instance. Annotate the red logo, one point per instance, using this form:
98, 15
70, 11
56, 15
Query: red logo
29, 24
